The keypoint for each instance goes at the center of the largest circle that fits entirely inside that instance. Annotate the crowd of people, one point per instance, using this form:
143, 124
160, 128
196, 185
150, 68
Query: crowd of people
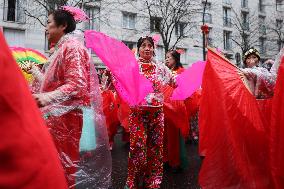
82, 112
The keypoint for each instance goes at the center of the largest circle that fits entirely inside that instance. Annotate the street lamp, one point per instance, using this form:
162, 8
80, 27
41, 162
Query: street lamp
205, 30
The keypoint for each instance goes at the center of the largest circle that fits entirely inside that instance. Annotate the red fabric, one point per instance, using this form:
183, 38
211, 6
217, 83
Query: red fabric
66, 133
146, 147
232, 133
110, 110
28, 158
123, 114
265, 108
175, 110
192, 103
277, 131
176, 121
171, 153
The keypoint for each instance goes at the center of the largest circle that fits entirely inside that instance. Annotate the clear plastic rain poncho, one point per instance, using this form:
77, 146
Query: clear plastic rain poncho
68, 86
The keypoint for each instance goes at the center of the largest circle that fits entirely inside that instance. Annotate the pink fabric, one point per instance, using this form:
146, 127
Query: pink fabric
189, 81
130, 85
78, 14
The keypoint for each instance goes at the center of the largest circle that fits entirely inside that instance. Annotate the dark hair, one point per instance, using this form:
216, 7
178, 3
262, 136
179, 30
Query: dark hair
142, 39
249, 52
176, 56
62, 18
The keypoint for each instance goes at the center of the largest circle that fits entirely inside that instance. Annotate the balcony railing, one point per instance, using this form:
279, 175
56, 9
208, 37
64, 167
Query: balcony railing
14, 15
227, 22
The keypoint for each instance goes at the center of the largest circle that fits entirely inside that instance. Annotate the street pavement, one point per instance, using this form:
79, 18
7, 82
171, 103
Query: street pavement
188, 179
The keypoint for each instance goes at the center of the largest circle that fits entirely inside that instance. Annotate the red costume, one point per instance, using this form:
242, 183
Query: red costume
234, 136
176, 127
123, 114
145, 162
276, 129
192, 106
70, 86
110, 110
28, 156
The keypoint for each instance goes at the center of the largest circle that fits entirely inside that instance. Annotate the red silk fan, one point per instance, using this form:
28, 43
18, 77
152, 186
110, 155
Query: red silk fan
233, 137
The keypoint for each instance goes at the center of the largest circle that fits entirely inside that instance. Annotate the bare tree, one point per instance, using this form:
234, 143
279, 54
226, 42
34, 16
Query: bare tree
276, 33
38, 9
172, 19
246, 28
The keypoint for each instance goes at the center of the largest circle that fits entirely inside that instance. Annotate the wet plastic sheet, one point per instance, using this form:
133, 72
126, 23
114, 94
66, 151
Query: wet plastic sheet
71, 103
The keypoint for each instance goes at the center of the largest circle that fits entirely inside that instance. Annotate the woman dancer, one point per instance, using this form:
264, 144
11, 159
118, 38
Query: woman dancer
176, 120
145, 162
69, 98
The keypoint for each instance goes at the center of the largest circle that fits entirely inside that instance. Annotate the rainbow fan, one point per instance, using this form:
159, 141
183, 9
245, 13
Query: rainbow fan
25, 56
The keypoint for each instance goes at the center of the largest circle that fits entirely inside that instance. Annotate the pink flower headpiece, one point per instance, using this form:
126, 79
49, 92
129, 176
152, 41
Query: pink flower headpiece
78, 14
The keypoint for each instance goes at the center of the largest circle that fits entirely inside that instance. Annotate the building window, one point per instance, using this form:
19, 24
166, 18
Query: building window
227, 2
280, 5
13, 11
155, 24
245, 20
261, 6
246, 39
129, 44
244, 3
227, 17
179, 29
128, 20
262, 27
279, 24
227, 40
94, 15
262, 45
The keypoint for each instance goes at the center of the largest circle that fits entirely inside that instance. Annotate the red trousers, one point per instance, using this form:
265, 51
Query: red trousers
145, 162
66, 133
